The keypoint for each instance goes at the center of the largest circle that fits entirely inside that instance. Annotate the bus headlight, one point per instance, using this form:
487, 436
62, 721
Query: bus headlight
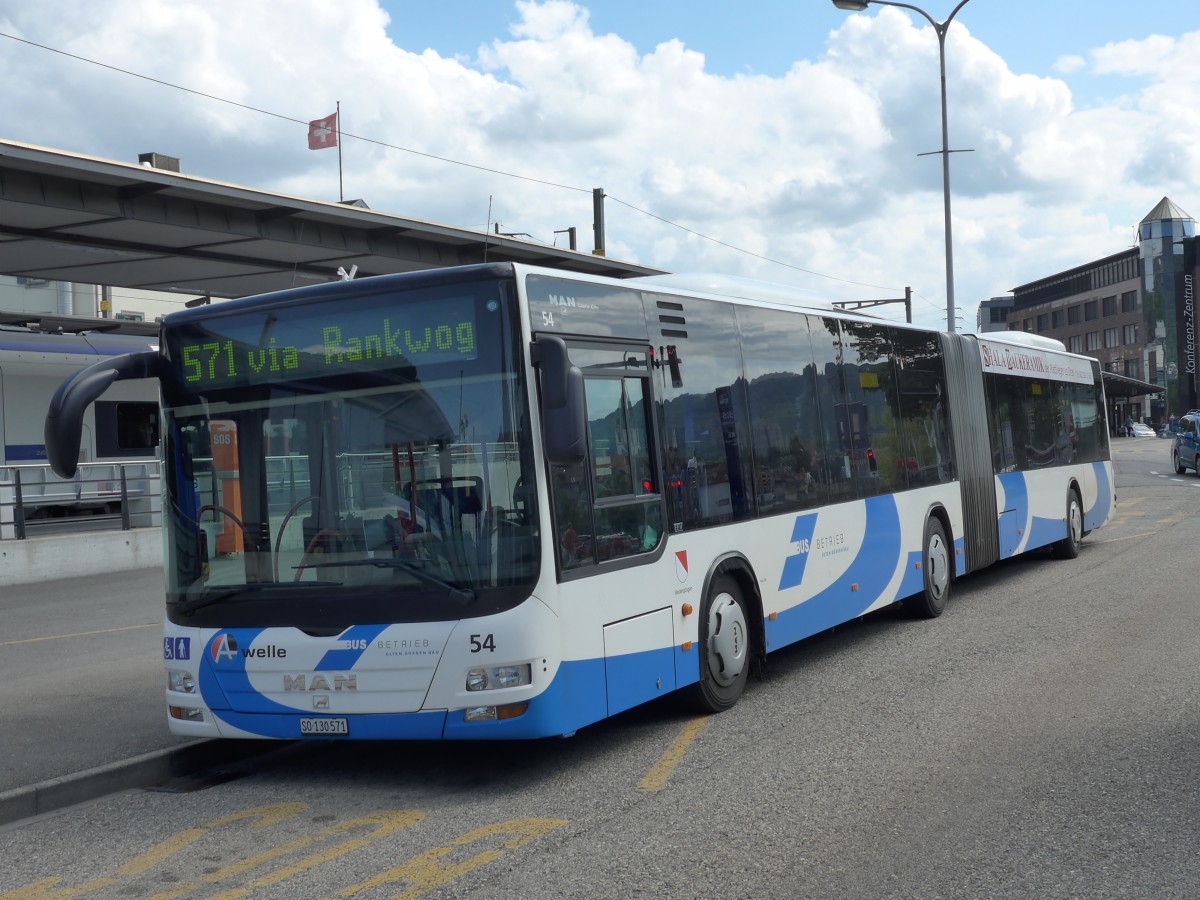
180, 682
493, 678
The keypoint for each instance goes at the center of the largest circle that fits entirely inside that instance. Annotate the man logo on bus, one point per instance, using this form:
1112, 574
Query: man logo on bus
681, 571
224, 648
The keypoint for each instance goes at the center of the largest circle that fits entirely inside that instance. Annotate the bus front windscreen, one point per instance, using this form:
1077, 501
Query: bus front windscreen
349, 458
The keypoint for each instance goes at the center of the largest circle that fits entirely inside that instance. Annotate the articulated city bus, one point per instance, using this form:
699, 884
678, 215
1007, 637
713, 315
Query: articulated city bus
499, 501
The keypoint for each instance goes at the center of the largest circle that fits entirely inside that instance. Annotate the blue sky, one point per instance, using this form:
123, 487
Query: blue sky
773, 140
768, 36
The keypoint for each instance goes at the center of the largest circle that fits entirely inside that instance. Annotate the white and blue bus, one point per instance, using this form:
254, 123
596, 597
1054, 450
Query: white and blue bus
499, 501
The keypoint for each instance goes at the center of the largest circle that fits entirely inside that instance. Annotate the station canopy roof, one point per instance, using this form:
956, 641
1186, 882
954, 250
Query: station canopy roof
82, 219
1123, 386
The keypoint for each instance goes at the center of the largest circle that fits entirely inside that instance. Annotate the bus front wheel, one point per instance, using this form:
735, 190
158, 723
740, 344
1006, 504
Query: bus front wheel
1068, 547
936, 557
724, 648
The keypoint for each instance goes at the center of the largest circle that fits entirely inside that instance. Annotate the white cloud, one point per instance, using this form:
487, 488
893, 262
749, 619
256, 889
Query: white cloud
1069, 65
1155, 56
817, 168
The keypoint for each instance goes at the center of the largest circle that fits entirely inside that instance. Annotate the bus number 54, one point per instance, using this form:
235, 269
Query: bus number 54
483, 642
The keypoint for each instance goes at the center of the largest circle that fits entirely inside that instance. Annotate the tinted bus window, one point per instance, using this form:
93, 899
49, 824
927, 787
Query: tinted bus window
872, 410
706, 434
781, 383
834, 466
921, 382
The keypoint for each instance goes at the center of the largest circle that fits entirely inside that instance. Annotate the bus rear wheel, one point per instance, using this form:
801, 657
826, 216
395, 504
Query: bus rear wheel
724, 648
1068, 547
936, 576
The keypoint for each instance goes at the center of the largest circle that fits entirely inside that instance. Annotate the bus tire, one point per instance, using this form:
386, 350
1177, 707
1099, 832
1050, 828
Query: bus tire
1068, 547
724, 647
936, 572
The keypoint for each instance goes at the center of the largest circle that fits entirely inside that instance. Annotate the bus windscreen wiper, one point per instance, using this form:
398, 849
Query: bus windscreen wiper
464, 594
213, 596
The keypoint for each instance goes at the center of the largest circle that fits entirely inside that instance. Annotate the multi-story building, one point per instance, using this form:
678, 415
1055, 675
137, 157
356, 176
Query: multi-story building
993, 314
1132, 311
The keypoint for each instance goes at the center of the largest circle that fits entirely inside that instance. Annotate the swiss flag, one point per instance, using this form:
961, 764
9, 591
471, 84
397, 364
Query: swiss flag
323, 133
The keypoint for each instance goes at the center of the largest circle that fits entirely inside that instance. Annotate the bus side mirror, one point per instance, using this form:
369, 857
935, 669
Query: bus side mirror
564, 427
64, 419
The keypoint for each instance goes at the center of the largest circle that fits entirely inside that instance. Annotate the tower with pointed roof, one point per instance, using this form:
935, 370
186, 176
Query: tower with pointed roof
1169, 323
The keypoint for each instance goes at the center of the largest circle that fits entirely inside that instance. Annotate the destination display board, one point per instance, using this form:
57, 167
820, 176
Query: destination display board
328, 338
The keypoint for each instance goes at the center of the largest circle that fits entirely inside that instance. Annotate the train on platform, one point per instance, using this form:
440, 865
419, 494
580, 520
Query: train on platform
121, 428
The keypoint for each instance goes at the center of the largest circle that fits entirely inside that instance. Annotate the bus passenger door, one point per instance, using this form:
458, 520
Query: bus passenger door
608, 519
608, 507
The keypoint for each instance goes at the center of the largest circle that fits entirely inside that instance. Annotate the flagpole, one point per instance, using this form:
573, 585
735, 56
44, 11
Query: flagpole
341, 192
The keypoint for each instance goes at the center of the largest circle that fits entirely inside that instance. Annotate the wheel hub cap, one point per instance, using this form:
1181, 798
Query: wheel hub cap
727, 640
939, 566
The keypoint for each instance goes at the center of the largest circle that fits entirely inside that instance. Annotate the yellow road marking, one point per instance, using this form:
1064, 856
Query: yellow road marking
386, 823
41, 889
59, 637
657, 777
266, 815
425, 872
418, 876
1165, 523
161, 852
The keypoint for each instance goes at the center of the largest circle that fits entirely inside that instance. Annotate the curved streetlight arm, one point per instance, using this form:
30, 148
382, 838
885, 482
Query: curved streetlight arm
940, 28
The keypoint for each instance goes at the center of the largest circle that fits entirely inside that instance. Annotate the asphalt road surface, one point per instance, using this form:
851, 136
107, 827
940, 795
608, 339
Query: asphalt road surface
81, 665
1039, 740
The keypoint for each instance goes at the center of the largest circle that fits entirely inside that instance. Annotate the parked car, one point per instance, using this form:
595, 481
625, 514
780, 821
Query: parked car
1141, 429
1186, 445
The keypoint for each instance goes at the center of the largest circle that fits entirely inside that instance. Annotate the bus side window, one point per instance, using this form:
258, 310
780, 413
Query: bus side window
706, 421
785, 409
922, 412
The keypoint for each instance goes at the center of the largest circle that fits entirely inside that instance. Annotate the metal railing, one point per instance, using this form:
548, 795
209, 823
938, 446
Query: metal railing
115, 495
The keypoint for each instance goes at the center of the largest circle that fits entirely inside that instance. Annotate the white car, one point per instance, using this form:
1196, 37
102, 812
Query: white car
1141, 429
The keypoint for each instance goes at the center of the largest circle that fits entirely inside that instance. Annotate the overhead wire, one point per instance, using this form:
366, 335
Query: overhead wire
443, 159
747, 252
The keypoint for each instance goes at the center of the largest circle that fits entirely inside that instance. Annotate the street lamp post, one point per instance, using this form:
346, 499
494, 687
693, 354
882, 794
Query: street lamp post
940, 28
